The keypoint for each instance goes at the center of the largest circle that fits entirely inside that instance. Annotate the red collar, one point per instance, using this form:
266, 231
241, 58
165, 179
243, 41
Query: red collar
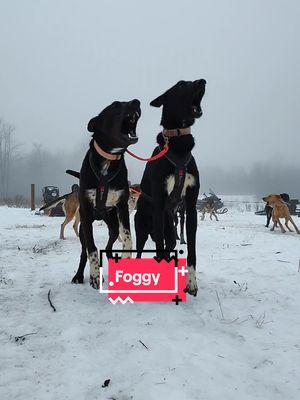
108, 156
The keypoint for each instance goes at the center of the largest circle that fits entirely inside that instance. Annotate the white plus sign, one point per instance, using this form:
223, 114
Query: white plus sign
182, 271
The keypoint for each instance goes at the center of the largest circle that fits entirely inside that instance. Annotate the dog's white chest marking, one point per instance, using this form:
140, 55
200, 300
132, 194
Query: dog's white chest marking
113, 197
188, 182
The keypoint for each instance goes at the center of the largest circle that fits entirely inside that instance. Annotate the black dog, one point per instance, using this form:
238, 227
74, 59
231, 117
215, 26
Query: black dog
268, 209
174, 176
103, 188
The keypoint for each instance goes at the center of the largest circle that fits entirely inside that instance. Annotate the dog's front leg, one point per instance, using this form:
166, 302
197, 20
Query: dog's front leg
87, 227
124, 227
191, 229
182, 221
158, 218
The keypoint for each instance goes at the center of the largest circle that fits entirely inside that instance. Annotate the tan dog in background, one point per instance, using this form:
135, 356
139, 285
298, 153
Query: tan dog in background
71, 210
280, 210
210, 209
70, 206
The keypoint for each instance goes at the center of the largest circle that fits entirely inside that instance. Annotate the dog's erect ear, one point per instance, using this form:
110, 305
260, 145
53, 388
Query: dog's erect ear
92, 124
158, 102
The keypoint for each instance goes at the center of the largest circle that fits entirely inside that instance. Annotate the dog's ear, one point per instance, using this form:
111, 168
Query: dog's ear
158, 102
92, 124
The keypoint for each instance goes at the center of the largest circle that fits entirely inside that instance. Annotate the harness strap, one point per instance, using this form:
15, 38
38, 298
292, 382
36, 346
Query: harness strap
180, 174
104, 180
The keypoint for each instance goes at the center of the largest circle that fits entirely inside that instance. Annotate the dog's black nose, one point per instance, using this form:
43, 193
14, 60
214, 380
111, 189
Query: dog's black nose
200, 82
197, 111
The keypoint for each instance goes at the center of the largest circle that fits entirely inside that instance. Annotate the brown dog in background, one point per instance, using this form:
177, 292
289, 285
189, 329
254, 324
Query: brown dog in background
280, 210
210, 209
70, 206
71, 210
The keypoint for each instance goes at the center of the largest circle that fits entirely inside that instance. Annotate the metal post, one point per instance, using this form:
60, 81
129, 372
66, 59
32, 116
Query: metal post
32, 197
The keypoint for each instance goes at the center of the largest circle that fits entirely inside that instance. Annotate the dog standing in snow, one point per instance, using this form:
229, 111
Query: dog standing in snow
169, 179
103, 188
280, 210
70, 206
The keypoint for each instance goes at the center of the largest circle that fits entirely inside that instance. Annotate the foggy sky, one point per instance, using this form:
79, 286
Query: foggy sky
63, 61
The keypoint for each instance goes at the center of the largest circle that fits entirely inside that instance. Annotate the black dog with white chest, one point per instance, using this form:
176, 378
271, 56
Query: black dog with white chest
104, 191
174, 176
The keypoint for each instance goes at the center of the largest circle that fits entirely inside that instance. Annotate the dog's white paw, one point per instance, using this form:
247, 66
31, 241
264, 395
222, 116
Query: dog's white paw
126, 255
191, 282
95, 282
94, 270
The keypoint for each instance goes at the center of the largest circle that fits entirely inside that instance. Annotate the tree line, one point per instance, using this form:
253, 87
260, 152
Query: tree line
18, 169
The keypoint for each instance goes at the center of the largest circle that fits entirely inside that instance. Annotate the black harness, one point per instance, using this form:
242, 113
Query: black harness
102, 189
180, 167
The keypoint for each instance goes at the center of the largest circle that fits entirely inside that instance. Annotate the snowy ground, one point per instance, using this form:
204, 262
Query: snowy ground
247, 346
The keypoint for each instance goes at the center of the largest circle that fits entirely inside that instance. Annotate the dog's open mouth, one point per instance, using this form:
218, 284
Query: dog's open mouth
129, 126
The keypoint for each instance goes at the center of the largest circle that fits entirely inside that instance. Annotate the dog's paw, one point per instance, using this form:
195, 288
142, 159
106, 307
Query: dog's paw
95, 282
191, 282
127, 242
126, 255
94, 270
77, 279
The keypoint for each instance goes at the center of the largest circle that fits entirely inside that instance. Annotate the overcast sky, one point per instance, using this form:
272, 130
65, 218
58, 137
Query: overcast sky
63, 61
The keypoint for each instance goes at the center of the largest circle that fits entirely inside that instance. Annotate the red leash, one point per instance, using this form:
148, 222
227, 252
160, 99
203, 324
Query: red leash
134, 190
159, 155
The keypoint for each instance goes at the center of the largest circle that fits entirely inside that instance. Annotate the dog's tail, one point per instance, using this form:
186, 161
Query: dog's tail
73, 173
54, 203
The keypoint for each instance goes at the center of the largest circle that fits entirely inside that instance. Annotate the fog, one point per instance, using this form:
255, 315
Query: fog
63, 61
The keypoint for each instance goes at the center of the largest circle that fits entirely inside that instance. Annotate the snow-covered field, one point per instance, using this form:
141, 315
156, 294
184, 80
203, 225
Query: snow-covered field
246, 345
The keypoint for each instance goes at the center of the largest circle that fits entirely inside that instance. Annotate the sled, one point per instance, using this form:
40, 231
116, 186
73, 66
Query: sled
49, 194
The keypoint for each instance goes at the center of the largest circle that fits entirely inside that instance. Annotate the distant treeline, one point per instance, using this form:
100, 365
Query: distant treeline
18, 169
262, 178
43, 168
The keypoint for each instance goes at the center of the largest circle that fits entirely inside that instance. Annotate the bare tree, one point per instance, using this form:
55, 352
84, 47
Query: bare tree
6, 155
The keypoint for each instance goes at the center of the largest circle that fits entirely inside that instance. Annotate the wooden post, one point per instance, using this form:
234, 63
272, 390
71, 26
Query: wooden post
32, 197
